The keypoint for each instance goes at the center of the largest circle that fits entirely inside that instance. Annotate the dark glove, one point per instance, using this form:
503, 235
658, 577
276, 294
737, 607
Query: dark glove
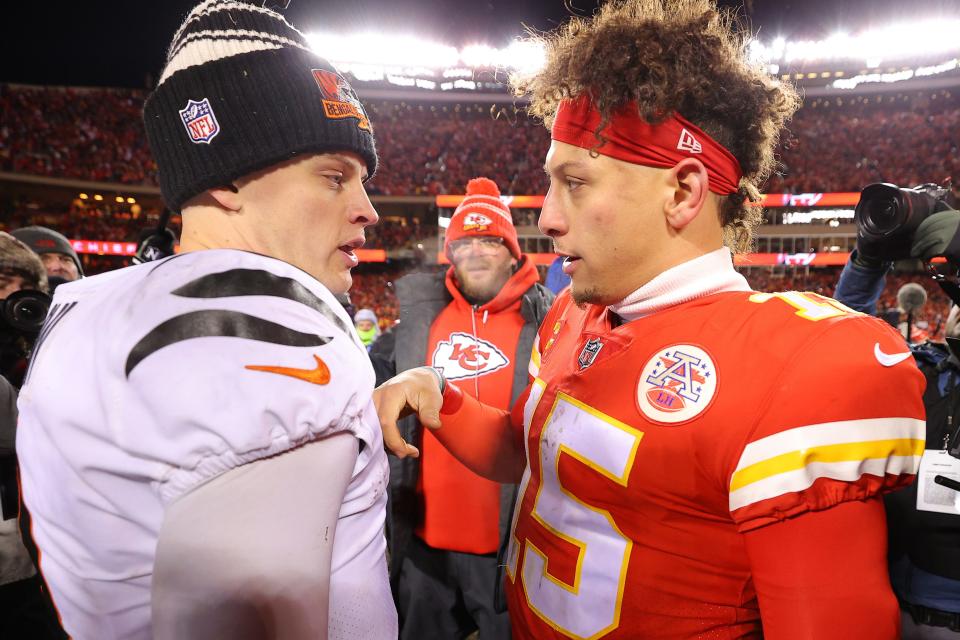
155, 245
869, 263
875, 250
937, 236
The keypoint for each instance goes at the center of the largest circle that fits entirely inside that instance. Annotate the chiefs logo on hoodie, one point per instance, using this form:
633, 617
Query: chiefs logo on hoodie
465, 356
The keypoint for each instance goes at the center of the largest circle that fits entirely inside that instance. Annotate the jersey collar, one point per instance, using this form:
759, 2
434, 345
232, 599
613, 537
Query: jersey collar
703, 276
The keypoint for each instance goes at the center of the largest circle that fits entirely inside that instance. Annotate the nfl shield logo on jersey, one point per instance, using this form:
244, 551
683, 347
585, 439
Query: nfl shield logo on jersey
199, 121
677, 384
589, 353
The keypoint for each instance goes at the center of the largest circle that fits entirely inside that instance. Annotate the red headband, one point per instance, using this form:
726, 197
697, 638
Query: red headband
631, 139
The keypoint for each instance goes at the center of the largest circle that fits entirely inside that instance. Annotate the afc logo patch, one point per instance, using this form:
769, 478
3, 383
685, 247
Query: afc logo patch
199, 121
465, 356
476, 222
677, 384
339, 99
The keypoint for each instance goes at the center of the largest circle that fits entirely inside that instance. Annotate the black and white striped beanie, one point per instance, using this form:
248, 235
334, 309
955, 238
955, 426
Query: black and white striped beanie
242, 90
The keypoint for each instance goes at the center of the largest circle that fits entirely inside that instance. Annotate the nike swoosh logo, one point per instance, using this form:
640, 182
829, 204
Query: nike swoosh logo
318, 375
889, 359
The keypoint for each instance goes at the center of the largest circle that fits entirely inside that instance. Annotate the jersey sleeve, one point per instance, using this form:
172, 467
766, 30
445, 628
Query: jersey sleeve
843, 420
236, 366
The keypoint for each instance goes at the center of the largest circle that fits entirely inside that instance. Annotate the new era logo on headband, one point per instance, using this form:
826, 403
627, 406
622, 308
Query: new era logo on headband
199, 121
688, 143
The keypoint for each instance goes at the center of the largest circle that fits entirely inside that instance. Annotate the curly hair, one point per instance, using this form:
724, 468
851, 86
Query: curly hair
672, 56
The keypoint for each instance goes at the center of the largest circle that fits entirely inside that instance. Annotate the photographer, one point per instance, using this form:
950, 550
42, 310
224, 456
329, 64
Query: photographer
24, 613
924, 530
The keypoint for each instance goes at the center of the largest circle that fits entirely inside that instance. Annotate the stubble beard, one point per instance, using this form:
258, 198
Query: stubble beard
587, 296
483, 293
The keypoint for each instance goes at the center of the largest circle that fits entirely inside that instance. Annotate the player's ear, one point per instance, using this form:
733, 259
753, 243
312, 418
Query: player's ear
227, 197
690, 184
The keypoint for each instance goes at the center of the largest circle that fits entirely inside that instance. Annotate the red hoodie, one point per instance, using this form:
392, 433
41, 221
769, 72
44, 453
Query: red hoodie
476, 349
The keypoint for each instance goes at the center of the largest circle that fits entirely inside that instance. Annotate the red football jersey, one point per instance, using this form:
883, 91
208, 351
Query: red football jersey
653, 445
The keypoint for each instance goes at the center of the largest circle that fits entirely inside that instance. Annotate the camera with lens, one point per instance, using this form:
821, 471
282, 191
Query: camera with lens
21, 317
887, 216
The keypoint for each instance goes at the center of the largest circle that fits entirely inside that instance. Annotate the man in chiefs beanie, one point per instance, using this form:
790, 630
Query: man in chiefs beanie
476, 324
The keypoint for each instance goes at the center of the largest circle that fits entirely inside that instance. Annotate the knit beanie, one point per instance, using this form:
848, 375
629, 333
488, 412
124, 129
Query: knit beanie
365, 314
369, 335
18, 259
483, 213
241, 91
44, 240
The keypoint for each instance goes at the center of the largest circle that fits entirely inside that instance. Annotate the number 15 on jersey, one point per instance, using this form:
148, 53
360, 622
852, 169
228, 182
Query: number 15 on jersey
589, 605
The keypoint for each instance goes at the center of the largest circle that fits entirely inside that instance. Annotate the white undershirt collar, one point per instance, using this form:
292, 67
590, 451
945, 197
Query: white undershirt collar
703, 276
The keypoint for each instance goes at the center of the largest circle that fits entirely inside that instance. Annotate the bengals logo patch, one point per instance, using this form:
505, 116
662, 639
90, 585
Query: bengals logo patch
339, 99
465, 356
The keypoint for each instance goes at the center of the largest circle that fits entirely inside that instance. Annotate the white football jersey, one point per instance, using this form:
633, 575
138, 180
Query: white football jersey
152, 380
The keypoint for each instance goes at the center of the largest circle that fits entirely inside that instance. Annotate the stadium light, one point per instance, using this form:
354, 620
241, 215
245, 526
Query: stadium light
377, 55
378, 49
526, 56
901, 41
409, 61
898, 76
480, 55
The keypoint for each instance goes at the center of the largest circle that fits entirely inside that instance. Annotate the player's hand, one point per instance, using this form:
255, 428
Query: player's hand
413, 391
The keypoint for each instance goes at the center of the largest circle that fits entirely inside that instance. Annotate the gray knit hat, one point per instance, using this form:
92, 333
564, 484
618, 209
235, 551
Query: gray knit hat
242, 90
16, 258
45, 240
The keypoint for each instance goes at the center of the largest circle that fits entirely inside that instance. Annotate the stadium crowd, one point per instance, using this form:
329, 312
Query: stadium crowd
844, 147
97, 134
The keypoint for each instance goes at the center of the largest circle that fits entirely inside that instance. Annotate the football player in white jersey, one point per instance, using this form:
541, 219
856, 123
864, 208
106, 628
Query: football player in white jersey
200, 454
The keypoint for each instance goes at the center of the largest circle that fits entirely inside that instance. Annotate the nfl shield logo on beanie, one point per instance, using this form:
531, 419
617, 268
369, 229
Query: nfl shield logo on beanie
200, 122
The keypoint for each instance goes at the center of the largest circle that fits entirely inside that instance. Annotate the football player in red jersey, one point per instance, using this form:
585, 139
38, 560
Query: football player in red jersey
696, 460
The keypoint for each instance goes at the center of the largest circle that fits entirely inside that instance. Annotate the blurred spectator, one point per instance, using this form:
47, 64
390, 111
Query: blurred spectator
367, 326
556, 280
20, 268
58, 256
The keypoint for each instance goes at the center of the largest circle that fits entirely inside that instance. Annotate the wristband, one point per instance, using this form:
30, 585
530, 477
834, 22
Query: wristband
440, 379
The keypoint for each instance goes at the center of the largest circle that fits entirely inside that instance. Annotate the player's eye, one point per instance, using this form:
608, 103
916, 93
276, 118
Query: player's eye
335, 178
